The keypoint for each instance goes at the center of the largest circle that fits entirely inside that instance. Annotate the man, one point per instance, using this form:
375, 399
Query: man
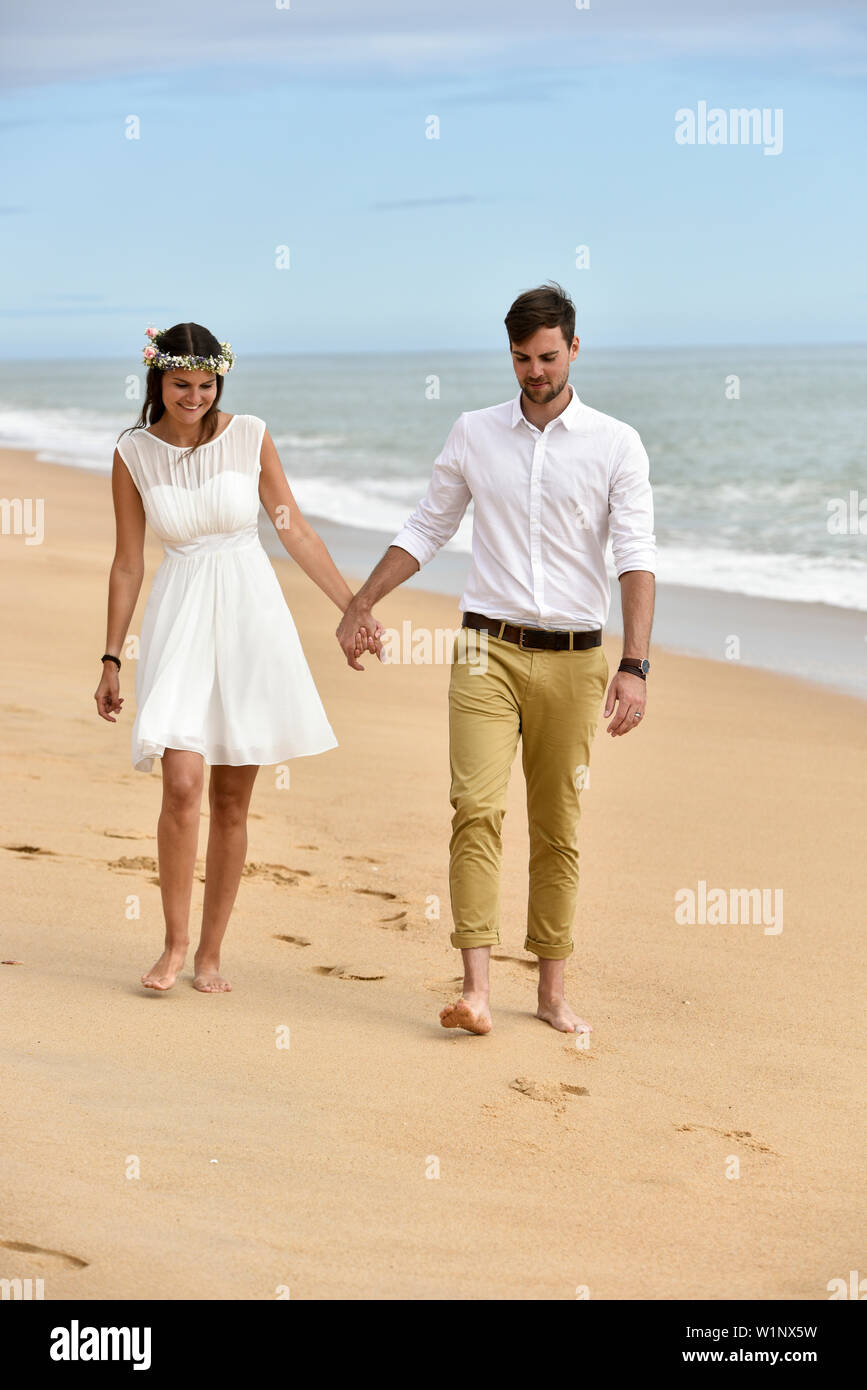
550, 480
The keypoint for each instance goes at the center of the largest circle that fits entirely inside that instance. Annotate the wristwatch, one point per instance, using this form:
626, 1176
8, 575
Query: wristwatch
635, 667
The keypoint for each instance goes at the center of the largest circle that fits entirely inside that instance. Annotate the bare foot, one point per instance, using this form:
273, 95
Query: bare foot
558, 1013
470, 1012
208, 978
163, 975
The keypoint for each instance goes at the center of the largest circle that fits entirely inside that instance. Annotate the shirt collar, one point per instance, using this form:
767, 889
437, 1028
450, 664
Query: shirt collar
567, 416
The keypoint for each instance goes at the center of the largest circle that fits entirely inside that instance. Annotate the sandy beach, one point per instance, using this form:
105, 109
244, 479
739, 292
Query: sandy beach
170, 1147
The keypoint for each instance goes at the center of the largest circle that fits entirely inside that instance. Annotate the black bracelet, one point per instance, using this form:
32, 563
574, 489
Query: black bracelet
116, 659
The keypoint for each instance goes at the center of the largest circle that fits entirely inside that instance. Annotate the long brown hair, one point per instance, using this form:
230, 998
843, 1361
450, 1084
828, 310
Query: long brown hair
183, 340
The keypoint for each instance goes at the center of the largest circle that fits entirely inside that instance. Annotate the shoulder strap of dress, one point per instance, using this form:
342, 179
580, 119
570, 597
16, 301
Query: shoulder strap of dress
257, 433
128, 453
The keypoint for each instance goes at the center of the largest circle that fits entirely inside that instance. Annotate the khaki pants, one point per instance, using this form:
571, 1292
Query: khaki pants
551, 700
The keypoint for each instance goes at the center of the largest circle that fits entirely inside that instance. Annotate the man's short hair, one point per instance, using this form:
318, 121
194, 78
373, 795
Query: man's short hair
548, 306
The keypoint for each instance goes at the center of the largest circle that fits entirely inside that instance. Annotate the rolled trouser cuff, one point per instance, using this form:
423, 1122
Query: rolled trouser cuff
465, 940
547, 951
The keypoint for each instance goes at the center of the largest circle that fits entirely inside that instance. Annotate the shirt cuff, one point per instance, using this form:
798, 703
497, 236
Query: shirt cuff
419, 549
639, 557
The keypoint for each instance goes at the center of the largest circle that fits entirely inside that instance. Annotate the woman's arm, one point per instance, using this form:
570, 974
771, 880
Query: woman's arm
124, 581
296, 534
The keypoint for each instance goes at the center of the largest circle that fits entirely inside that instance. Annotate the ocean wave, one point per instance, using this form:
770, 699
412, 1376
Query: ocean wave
371, 504
83, 438
310, 441
841, 582
86, 439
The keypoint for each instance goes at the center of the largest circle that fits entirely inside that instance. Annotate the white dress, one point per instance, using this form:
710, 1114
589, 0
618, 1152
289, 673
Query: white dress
221, 670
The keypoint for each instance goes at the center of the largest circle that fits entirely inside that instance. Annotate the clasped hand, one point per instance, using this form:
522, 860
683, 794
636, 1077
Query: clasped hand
359, 632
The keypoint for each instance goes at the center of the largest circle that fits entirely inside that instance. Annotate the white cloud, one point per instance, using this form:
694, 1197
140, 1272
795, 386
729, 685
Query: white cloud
56, 41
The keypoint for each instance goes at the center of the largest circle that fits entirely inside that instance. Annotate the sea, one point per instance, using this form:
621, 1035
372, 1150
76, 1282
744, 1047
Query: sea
757, 463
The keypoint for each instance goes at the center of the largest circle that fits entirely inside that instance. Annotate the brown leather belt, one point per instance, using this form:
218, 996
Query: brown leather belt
534, 638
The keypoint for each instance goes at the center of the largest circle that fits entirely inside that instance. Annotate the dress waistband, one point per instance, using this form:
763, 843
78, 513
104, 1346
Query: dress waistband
215, 540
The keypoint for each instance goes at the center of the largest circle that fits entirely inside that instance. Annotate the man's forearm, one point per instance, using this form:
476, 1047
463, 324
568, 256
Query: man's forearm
395, 566
359, 631
637, 589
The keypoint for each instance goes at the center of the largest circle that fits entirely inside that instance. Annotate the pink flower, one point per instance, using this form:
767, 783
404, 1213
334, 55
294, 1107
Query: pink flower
151, 332
150, 352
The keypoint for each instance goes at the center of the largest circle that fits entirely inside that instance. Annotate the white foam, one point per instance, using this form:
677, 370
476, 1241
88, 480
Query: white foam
83, 438
798, 578
310, 441
86, 439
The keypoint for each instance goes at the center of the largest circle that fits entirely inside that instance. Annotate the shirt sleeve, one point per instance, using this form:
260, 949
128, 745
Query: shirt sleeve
630, 507
438, 515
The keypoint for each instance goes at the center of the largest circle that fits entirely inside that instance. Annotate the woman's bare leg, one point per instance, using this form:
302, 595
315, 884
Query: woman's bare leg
177, 840
229, 795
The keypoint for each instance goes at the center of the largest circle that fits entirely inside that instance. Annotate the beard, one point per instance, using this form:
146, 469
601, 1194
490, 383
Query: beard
536, 392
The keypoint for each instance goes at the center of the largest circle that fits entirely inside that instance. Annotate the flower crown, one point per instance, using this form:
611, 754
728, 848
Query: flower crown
166, 361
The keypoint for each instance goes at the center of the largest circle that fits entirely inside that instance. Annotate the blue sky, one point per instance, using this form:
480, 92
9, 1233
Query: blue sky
305, 127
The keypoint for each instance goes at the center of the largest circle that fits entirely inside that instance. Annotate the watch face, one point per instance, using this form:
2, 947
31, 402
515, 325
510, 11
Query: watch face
645, 666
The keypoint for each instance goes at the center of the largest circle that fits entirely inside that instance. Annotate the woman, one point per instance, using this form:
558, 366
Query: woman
221, 677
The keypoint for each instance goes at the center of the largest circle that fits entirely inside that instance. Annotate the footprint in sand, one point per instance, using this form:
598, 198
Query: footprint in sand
352, 972
275, 873
124, 834
144, 863
743, 1136
134, 864
516, 960
307, 847
445, 987
27, 849
376, 893
359, 858
293, 940
23, 1248
554, 1093
128, 863
396, 923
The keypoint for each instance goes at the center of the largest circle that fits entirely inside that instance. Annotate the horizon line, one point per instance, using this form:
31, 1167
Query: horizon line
399, 351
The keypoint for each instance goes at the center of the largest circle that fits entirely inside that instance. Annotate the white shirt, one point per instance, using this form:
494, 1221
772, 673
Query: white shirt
545, 502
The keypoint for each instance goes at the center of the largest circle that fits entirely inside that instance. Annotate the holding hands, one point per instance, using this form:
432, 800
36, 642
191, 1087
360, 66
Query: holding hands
359, 632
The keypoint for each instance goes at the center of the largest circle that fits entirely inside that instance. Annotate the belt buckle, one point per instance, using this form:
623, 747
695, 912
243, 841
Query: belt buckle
521, 632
